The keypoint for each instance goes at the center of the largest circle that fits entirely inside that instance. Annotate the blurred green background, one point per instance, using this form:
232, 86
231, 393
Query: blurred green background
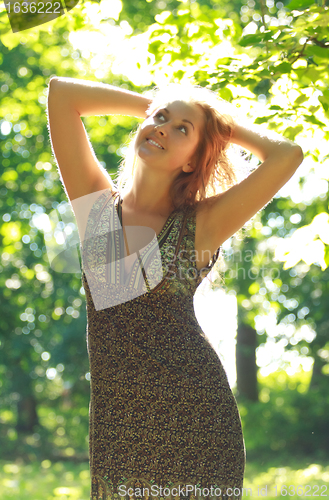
270, 60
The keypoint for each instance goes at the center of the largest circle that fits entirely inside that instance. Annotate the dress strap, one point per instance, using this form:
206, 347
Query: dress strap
179, 241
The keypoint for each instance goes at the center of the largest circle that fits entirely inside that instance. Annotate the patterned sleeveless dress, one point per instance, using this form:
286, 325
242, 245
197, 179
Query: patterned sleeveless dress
163, 422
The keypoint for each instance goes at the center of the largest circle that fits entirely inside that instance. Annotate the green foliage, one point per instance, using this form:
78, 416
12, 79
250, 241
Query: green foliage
43, 356
288, 419
248, 54
70, 481
280, 476
51, 480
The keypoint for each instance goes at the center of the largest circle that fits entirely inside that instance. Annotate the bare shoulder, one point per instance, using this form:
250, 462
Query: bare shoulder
220, 217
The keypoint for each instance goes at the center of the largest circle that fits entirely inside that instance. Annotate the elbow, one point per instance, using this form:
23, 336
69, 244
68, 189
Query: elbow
53, 86
51, 95
53, 82
298, 154
293, 155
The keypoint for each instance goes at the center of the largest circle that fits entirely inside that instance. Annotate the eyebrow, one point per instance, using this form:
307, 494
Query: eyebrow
187, 121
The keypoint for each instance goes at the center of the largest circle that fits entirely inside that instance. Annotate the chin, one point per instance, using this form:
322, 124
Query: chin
144, 155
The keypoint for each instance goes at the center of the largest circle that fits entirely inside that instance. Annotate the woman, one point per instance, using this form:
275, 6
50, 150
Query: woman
161, 413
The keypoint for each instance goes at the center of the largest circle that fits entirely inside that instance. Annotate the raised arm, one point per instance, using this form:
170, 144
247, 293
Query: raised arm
233, 208
264, 144
68, 100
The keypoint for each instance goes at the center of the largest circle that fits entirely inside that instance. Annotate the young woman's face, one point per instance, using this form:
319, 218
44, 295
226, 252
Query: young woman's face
169, 138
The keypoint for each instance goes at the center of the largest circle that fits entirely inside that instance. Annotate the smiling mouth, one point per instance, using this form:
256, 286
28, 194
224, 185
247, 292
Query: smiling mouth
154, 143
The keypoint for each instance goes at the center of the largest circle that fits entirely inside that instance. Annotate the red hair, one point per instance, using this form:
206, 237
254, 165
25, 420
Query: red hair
214, 172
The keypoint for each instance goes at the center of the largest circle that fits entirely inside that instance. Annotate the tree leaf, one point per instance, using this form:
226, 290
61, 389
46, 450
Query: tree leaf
254, 39
299, 4
302, 98
325, 103
291, 132
317, 51
314, 121
283, 67
261, 119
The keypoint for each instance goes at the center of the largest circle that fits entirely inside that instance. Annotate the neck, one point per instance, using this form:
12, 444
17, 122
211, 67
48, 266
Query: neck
150, 192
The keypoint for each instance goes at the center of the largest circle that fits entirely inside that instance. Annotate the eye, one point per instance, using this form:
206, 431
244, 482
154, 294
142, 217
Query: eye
159, 114
184, 128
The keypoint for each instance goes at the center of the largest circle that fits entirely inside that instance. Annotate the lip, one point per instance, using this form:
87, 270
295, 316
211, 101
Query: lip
155, 140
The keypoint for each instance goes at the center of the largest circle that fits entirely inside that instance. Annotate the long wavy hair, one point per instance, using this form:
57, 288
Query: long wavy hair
215, 171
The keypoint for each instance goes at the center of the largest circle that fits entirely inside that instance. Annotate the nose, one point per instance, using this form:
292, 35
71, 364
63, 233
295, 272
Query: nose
160, 129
